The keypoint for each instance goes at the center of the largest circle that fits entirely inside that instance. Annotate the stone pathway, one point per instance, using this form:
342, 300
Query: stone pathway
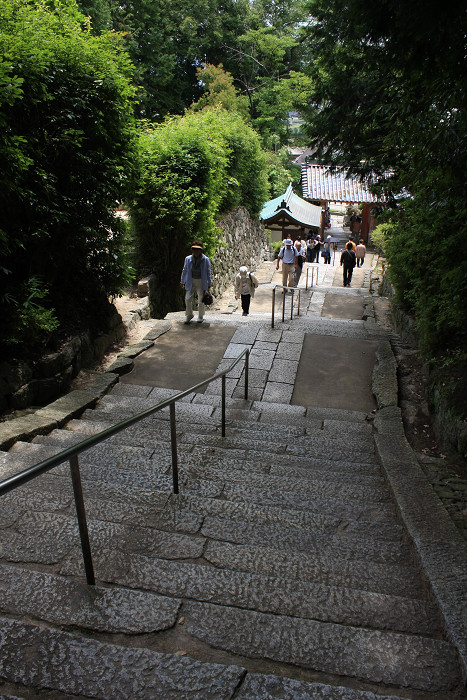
306, 555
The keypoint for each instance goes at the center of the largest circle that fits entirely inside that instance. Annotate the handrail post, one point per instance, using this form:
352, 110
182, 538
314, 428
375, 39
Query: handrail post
82, 524
223, 405
291, 304
283, 303
273, 305
173, 440
298, 309
247, 366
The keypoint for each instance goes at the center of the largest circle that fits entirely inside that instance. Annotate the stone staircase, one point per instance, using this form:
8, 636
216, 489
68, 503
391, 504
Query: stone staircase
281, 570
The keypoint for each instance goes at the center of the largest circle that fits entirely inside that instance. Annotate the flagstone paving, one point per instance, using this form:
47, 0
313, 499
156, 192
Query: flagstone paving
306, 556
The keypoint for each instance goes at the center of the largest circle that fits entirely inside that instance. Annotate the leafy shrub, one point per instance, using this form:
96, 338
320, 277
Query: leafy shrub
66, 159
379, 237
194, 168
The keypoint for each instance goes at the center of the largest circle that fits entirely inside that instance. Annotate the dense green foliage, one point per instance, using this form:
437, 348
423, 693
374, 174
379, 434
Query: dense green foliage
66, 158
194, 168
388, 95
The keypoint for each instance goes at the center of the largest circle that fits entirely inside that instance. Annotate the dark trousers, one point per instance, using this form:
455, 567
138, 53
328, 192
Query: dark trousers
246, 298
347, 275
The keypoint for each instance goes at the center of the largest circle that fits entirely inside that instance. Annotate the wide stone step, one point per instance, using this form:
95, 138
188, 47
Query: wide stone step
135, 469
269, 594
377, 656
39, 506
399, 580
83, 666
292, 467
60, 601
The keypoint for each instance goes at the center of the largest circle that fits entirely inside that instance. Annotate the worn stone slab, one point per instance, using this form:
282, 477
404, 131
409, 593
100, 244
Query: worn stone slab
39, 537
245, 334
295, 540
233, 350
403, 580
157, 328
284, 492
138, 390
384, 379
132, 405
63, 602
136, 349
268, 687
261, 359
253, 512
283, 371
277, 391
323, 448
122, 365
85, 666
278, 412
342, 415
380, 657
269, 335
25, 428
268, 594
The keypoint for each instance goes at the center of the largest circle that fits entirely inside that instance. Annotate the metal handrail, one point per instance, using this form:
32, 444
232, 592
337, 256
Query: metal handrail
312, 275
71, 454
293, 290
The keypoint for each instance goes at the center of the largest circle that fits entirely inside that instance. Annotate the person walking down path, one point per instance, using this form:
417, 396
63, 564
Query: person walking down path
196, 277
348, 262
327, 251
301, 257
360, 252
288, 254
317, 248
245, 285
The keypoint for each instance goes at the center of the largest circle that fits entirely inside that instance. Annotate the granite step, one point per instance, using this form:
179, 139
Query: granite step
198, 581
219, 520
85, 666
298, 467
379, 656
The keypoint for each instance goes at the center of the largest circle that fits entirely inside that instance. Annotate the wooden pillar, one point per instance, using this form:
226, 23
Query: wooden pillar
323, 216
365, 223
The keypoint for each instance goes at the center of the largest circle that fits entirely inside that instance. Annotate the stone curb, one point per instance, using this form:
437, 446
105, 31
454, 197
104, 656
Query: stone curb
441, 549
56, 414
384, 379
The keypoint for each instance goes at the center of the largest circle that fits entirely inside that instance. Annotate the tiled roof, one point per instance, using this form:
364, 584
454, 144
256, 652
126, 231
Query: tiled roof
318, 182
293, 208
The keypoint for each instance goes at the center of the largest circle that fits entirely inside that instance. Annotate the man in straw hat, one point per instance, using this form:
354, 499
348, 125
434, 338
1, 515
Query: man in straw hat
196, 277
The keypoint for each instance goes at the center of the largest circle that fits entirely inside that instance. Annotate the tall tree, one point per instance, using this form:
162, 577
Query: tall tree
389, 95
66, 159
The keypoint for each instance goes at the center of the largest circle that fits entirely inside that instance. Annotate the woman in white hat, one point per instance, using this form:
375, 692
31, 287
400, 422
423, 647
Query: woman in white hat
245, 285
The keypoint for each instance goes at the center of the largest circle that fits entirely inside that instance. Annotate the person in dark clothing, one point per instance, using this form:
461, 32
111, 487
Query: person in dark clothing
317, 248
348, 262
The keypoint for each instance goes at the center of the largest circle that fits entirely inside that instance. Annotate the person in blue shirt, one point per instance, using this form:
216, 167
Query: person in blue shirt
196, 277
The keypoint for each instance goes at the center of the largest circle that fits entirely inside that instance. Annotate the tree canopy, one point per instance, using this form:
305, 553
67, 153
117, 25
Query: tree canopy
66, 157
388, 101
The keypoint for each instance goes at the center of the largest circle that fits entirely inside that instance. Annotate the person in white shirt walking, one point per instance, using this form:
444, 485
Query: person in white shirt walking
245, 285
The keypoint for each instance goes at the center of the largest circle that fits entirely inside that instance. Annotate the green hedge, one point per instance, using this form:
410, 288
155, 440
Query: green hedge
194, 168
67, 154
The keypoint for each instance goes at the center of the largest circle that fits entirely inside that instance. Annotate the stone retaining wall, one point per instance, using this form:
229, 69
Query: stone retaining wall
245, 243
25, 384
